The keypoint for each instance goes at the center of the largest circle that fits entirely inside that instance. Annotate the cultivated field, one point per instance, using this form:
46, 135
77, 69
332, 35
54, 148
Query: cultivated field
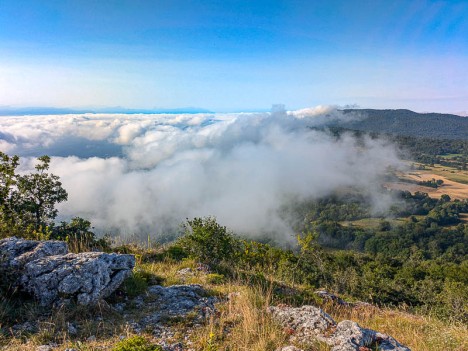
455, 182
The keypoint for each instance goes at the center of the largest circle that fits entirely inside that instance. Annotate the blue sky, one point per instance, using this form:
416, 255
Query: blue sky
234, 55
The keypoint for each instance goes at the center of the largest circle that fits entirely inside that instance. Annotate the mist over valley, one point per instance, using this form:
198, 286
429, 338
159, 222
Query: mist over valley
145, 174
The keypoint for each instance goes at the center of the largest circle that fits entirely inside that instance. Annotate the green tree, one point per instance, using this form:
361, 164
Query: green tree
7, 184
38, 193
27, 201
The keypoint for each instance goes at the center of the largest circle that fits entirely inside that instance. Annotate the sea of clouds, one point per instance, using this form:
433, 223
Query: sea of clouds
145, 174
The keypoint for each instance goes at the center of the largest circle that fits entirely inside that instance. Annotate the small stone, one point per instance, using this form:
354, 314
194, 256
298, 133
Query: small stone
72, 329
185, 271
204, 268
91, 338
175, 347
136, 328
48, 347
120, 306
233, 295
138, 301
27, 327
331, 297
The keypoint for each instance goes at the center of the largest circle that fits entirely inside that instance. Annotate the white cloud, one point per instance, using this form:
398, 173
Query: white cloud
240, 168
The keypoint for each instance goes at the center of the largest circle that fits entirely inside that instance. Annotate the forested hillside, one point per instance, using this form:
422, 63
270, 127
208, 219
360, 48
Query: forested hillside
409, 123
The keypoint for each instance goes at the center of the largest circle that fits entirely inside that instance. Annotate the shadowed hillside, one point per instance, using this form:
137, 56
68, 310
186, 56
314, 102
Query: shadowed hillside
409, 123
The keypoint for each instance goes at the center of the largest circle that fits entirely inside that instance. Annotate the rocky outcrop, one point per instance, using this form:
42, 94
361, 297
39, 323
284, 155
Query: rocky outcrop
86, 277
308, 323
16, 253
50, 274
332, 297
350, 336
335, 299
176, 301
303, 323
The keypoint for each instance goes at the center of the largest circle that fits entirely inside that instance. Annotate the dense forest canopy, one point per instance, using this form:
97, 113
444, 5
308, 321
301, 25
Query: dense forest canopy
408, 123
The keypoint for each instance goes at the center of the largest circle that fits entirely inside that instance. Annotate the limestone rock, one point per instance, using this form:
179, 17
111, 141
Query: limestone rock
48, 347
350, 336
49, 273
308, 323
86, 277
331, 297
185, 272
15, 253
339, 301
304, 323
177, 301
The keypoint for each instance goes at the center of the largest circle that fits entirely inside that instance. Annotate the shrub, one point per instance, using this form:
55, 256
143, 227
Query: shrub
136, 343
215, 278
204, 239
137, 283
175, 252
77, 233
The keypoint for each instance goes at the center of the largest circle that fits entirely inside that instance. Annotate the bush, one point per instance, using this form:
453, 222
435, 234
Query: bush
215, 278
79, 237
204, 239
137, 283
136, 343
175, 252
454, 299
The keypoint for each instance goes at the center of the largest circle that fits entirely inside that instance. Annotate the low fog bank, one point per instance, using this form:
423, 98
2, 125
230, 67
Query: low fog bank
150, 172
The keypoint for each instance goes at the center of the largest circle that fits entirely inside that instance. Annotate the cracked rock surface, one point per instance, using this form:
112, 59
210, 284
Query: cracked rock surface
308, 323
50, 274
88, 276
177, 301
16, 253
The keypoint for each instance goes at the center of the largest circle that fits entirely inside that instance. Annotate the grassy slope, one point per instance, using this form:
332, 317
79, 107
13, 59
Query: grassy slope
244, 316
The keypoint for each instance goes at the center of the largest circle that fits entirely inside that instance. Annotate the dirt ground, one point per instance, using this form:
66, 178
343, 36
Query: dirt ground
464, 217
451, 188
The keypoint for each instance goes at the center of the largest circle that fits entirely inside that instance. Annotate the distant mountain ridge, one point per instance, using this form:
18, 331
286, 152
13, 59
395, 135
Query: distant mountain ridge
22, 111
408, 123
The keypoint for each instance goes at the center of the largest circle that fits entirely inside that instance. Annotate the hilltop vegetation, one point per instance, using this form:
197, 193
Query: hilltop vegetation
408, 123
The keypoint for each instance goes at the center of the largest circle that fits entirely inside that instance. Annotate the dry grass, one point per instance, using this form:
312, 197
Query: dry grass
455, 182
450, 173
420, 333
373, 223
242, 323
